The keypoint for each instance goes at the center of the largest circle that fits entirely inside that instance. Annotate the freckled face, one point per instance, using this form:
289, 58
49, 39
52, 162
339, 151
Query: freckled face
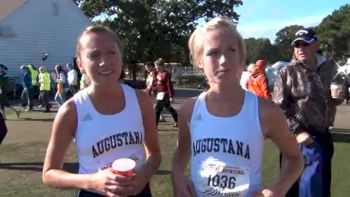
221, 56
100, 57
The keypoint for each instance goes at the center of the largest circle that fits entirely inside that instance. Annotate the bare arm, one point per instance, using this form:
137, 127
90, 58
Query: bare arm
275, 127
182, 154
62, 133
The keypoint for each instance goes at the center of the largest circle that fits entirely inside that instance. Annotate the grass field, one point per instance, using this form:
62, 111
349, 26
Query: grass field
23, 150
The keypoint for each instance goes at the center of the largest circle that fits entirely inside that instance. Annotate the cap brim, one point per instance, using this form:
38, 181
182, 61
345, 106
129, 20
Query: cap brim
304, 40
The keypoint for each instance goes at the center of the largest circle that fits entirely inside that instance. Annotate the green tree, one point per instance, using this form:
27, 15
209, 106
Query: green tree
284, 38
150, 29
260, 48
334, 33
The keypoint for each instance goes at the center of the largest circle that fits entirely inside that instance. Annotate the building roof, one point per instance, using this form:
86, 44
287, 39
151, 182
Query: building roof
8, 6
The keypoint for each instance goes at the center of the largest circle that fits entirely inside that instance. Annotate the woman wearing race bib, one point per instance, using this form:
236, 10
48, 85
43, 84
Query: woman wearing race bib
222, 131
107, 121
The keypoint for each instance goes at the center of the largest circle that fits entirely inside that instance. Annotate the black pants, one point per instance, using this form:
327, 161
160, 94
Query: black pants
44, 99
3, 128
165, 103
146, 192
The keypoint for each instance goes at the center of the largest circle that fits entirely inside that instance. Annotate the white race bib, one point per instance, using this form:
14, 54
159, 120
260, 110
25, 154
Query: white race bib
160, 95
219, 179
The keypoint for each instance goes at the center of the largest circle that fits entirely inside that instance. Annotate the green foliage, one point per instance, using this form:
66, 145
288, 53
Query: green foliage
334, 33
260, 48
150, 29
284, 38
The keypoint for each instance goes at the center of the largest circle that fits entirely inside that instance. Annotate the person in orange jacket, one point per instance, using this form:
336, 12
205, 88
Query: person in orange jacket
257, 82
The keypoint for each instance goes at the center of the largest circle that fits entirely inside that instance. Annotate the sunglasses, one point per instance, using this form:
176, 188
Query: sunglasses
301, 44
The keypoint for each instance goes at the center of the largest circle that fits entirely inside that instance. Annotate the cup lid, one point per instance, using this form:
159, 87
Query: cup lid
123, 164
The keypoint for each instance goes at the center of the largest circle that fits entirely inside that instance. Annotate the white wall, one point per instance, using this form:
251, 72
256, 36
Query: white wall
41, 26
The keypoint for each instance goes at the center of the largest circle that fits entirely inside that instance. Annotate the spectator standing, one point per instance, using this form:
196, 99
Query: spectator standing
44, 87
61, 84
72, 78
257, 82
302, 90
245, 77
150, 79
34, 74
84, 80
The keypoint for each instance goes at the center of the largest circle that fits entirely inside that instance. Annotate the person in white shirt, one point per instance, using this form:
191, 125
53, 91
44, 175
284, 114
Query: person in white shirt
72, 78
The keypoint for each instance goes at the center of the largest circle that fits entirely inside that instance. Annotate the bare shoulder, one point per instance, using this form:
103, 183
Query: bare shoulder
68, 108
187, 107
66, 118
271, 116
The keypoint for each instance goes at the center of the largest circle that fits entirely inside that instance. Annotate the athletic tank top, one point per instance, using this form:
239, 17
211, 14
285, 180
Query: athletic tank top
101, 139
227, 152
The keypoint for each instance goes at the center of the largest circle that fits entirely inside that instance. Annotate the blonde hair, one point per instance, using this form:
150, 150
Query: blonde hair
98, 29
195, 43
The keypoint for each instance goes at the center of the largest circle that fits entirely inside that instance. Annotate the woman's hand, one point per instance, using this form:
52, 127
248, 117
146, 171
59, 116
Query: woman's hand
139, 181
269, 192
112, 185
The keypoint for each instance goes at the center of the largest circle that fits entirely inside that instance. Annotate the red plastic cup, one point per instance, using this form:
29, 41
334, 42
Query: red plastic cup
123, 166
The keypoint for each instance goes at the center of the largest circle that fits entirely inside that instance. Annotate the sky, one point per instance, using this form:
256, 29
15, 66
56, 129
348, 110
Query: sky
264, 18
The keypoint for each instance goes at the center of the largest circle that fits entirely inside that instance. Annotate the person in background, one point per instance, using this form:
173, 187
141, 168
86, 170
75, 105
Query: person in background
45, 88
3, 129
27, 92
108, 121
61, 85
245, 77
72, 78
164, 91
257, 82
222, 131
34, 74
150, 78
4, 102
84, 80
302, 90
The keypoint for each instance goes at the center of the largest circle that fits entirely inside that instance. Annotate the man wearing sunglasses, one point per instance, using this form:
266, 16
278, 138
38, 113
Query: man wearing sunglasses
302, 90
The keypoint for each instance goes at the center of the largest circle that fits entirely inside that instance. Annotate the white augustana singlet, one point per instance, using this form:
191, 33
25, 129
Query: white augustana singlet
227, 152
101, 139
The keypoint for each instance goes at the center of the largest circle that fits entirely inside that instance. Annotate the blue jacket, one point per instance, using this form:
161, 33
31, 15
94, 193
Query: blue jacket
26, 79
